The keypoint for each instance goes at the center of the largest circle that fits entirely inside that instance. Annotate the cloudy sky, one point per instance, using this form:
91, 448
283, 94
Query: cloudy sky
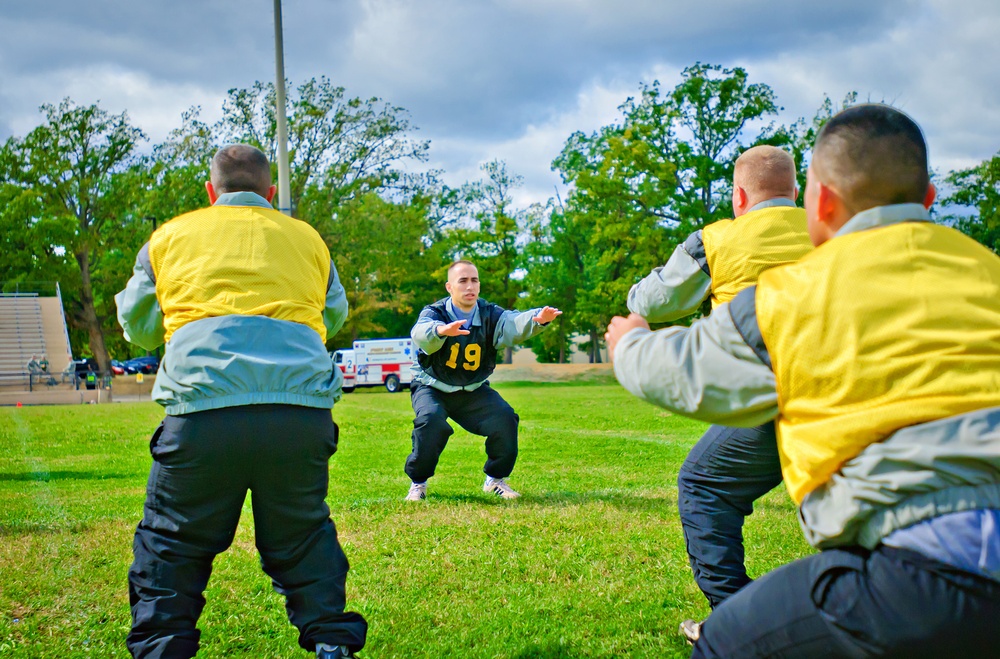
508, 79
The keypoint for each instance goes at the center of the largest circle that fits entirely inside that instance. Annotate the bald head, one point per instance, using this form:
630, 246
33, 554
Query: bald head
872, 155
241, 168
765, 172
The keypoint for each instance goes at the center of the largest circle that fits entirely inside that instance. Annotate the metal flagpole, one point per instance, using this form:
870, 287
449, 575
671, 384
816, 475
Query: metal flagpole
284, 176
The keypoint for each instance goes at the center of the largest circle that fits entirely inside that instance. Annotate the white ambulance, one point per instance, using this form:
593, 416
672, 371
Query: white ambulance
376, 362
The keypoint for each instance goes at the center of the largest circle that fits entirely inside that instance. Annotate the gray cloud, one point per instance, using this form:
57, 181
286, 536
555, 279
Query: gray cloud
507, 78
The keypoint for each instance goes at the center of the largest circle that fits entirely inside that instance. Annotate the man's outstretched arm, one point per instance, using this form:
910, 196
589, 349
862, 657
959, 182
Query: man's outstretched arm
139, 311
335, 311
516, 327
708, 371
675, 289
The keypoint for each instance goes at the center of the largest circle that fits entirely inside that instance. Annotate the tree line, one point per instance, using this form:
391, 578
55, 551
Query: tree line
79, 196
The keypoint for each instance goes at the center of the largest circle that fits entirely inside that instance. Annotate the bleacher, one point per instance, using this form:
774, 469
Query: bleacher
32, 323
22, 335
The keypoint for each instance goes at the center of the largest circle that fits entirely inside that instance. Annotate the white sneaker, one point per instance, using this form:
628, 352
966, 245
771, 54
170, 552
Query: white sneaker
324, 651
691, 631
499, 487
418, 492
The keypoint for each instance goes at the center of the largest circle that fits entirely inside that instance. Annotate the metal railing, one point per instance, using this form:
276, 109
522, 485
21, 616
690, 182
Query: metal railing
42, 380
29, 289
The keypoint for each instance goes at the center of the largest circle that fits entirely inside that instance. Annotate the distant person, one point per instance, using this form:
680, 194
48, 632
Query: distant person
729, 468
878, 354
33, 365
457, 339
244, 298
43, 364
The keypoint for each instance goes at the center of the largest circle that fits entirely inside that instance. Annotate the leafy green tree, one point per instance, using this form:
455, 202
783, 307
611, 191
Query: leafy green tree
801, 135
338, 147
555, 266
384, 264
173, 177
700, 128
67, 168
641, 185
493, 233
26, 237
976, 188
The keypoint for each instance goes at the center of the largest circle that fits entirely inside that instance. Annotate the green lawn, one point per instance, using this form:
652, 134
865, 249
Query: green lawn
589, 562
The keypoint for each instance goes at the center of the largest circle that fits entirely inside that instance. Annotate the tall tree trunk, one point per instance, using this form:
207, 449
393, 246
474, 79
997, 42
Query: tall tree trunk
595, 347
89, 315
562, 341
511, 302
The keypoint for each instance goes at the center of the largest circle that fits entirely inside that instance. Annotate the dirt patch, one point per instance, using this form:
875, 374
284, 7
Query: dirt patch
553, 373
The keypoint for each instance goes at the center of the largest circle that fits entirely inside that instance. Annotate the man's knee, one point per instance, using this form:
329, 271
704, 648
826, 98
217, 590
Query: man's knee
687, 482
432, 426
508, 419
502, 417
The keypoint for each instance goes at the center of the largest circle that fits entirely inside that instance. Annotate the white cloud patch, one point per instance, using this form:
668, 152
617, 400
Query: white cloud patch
937, 65
510, 79
530, 153
154, 106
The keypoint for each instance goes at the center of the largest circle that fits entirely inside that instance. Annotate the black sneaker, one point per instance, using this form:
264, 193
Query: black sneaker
691, 631
324, 651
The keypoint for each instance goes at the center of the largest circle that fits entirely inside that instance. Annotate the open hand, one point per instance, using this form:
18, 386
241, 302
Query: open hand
547, 315
452, 329
619, 327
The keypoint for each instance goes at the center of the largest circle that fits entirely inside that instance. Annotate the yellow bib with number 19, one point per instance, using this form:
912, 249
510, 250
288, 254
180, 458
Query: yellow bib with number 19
473, 354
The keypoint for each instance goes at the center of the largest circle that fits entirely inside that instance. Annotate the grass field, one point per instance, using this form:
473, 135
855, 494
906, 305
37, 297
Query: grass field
589, 562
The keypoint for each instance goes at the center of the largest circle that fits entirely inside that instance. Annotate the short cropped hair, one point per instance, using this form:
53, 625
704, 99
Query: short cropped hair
458, 263
241, 168
765, 172
872, 155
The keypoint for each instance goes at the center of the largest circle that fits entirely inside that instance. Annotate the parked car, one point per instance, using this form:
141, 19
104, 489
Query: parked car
146, 365
117, 367
83, 369
83, 366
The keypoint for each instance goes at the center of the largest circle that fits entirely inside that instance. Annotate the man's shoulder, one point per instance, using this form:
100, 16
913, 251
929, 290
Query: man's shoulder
196, 220
436, 307
485, 306
774, 211
714, 233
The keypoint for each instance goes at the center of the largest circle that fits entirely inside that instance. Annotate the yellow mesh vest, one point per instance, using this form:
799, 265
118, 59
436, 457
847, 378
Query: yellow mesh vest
875, 331
739, 250
239, 260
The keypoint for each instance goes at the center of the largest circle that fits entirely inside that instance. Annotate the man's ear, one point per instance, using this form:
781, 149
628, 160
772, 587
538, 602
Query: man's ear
270, 193
447, 286
829, 208
795, 194
739, 200
212, 196
930, 196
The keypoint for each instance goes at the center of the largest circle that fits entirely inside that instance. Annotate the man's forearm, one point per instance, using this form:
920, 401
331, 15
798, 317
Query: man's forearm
516, 327
705, 372
139, 311
336, 309
425, 336
672, 291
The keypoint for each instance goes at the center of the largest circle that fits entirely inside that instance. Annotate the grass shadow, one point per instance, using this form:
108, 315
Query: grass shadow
47, 476
553, 651
43, 528
617, 499
563, 499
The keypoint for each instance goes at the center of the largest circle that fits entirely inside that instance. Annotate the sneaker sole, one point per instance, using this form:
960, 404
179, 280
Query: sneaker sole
500, 494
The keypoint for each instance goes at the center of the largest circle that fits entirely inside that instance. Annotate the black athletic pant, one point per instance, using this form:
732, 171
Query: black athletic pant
203, 465
726, 471
852, 603
481, 411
